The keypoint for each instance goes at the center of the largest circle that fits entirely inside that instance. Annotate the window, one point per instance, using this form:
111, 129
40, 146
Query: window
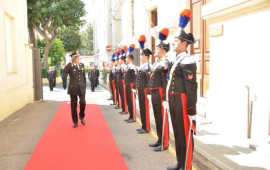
10, 43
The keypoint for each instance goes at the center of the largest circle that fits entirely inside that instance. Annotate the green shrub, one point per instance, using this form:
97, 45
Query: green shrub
86, 69
104, 75
44, 72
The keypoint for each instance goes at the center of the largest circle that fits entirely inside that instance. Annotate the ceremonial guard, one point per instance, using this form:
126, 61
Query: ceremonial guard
115, 80
182, 96
141, 86
111, 83
77, 87
121, 80
129, 82
157, 86
50, 77
64, 77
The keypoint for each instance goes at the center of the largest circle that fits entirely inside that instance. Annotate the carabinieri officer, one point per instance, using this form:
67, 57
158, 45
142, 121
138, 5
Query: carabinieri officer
157, 86
77, 87
182, 96
142, 84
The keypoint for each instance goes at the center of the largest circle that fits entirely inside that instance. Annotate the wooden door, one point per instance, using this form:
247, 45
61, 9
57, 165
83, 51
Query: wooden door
200, 29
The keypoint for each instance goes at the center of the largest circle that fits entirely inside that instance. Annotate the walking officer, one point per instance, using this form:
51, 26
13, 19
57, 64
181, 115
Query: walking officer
182, 96
93, 78
157, 86
50, 77
129, 82
76, 88
64, 77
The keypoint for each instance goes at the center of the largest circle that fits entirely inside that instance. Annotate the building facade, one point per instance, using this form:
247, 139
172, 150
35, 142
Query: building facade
16, 87
230, 34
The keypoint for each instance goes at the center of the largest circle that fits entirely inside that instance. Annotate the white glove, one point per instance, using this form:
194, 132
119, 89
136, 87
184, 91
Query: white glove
149, 97
133, 90
192, 117
165, 104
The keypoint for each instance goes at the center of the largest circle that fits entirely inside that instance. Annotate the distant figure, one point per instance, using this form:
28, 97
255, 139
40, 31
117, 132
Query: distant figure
97, 81
54, 81
64, 77
89, 74
93, 78
50, 77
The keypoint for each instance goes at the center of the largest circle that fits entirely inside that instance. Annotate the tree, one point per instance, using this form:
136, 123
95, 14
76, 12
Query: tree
47, 16
56, 52
87, 41
70, 38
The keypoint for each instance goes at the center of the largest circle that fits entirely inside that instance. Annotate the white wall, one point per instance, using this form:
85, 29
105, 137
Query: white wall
238, 58
20, 81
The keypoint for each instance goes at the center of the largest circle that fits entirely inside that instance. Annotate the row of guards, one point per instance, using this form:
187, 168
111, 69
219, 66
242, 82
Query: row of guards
165, 87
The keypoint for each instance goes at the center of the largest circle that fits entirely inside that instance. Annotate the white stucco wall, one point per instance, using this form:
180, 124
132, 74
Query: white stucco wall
20, 82
241, 58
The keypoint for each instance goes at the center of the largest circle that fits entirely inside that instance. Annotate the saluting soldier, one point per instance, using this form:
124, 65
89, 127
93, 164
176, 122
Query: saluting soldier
64, 77
77, 87
50, 77
182, 96
121, 80
129, 82
157, 86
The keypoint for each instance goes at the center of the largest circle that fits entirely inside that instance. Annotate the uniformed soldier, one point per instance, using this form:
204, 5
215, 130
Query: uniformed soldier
142, 84
129, 81
64, 77
182, 97
77, 87
50, 77
111, 83
121, 80
115, 81
157, 86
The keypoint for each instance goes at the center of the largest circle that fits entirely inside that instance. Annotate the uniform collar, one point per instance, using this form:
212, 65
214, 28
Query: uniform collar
180, 55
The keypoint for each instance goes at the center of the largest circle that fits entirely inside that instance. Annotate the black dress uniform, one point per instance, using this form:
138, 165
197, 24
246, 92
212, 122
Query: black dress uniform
121, 86
157, 86
93, 78
77, 87
50, 77
119, 104
112, 83
129, 82
141, 85
64, 78
182, 98
54, 81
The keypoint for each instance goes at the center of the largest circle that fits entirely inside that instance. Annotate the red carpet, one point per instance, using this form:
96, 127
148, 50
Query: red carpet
89, 147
